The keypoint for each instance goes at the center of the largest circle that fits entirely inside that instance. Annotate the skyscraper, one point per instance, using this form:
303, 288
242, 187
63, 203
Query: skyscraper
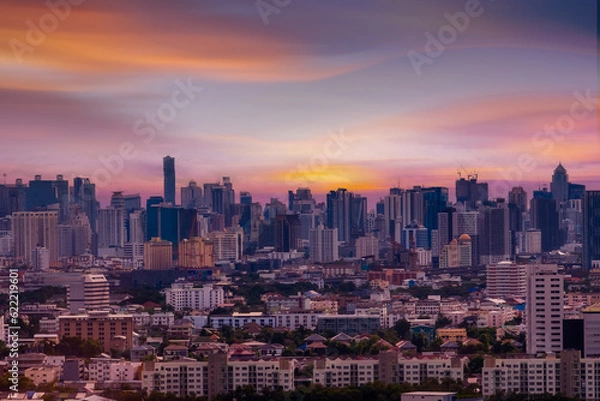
288, 231
470, 192
35, 229
191, 196
591, 229
545, 298
494, 233
323, 243
544, 216
338, 212
169, 179
560, 184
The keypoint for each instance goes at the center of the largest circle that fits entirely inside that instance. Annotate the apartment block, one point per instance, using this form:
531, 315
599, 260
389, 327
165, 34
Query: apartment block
183, 295
112, 330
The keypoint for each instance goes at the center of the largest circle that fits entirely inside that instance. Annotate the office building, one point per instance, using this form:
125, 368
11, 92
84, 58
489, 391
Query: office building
169, 179
288, 232
559, 187
158, 254
196, 252
414, 236
529, 242
191, 196
35, 229
367, 246
545, 217
228, 245
40, 258
339, 204
544, 310
12, 198
457, 253
494, 233
591, 229
323, 244
111, 227
470, 192
84, 194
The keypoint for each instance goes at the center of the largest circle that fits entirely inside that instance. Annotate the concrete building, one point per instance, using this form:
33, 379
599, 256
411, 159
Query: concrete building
158, 254
323, 244
529, 241
568, 374
114, 331
228, 245
102, 370
196, 252
183, 295
458, 253
591, 332
91, 293
544, 310
34, 229
506, 279
218, 375
367, 246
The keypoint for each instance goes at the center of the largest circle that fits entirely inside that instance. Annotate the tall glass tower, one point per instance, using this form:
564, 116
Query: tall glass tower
169, 179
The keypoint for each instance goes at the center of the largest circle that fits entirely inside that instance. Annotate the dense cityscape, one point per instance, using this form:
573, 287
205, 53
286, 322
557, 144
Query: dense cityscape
421, 290
285, 200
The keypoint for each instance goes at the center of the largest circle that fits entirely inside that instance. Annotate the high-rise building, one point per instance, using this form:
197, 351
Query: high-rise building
544, 217
468, 223
591, 328
544, 309
288, 232
35, 229
457, 253
171, 223
339, 205
111, 228
158, 254
302, 201
84, 194
494, 234
414, 236
470, 192
560, 185
367, 246
40, 258
169, 179
228, 244
196, 252
591, 229
505, 280
191, 196
12, 198
392, 210
90, 293
518, 197
323, 244
529, 242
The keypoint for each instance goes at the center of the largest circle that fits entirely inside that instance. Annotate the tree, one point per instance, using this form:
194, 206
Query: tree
402, 329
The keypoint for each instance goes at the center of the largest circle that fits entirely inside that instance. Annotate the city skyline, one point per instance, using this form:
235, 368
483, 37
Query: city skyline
354, 94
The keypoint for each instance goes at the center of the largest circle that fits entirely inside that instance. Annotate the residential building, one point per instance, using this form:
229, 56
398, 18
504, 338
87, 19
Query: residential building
183, 295
114, 331
506, 279
544, 309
